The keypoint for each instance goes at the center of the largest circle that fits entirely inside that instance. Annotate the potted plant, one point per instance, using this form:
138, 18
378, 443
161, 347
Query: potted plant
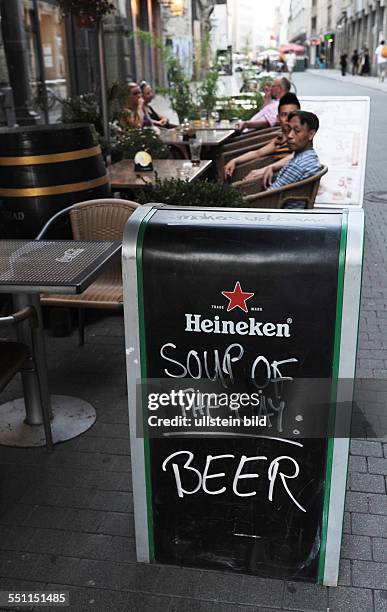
206, 93
178, 192
132, 141
179, 89
86, 12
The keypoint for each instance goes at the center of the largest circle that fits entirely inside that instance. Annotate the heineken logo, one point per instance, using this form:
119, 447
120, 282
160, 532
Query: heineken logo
237, 298
196, 323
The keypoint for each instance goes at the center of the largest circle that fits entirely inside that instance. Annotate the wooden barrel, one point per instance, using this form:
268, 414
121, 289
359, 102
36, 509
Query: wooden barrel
43, 169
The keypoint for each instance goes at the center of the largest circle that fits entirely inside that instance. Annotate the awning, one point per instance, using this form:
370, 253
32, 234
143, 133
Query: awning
292, 47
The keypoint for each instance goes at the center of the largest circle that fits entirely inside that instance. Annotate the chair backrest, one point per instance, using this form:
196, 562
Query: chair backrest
248, 140
264, 131
101, 219
243, 169
65, 211
301, 192
224, 158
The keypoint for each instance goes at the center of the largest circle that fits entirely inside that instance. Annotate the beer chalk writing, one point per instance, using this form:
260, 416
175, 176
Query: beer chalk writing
278, 467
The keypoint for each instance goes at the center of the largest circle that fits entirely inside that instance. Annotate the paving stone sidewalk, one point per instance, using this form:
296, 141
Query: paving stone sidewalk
66, 519
370, 82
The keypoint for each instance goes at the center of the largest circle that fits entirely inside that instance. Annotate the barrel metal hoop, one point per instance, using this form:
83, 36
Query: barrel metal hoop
34, 192
52, 158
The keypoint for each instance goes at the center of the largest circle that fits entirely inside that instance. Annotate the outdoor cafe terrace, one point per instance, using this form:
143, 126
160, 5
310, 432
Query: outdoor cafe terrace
67, 516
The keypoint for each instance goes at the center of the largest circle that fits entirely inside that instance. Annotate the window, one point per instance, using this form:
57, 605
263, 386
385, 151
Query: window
313, 24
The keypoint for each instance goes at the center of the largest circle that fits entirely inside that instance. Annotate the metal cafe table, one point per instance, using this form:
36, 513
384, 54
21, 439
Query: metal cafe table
210, 137
27, 269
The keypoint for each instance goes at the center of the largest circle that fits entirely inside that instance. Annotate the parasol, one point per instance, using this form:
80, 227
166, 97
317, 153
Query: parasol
292, 47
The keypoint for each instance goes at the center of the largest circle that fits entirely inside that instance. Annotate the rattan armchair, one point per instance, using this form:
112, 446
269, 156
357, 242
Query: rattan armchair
228, 155
249, 139
295, 195
271, 131
97, 220
243, 169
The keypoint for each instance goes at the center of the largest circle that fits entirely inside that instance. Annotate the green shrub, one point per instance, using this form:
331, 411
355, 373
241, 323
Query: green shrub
228, 109
84, 109
134, 140
178, 192
180, 94
206, 93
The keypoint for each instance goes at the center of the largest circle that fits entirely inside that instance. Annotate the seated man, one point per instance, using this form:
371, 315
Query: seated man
278, 146
267, 116
305, 163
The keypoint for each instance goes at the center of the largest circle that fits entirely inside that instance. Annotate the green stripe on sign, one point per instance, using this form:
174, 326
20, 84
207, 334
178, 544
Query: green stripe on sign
144, 376
332, 413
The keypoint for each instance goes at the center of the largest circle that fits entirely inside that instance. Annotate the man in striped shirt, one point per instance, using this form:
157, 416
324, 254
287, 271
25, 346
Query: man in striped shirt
305, 163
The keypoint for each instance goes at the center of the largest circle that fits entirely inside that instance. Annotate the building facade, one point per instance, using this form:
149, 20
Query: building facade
333, 27
38, 45
363, 23
298, 18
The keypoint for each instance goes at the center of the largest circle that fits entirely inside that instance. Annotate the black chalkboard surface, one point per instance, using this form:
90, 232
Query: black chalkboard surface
195, 276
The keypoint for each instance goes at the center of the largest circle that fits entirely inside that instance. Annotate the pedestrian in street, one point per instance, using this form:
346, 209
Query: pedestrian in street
343, 63
355, 62
381, 60
365, 62
290, 64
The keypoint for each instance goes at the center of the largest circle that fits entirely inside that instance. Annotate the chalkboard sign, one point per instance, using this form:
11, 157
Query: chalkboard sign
243, 301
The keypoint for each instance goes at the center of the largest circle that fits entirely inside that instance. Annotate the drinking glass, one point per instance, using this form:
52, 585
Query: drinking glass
203, 118
215, 116
195, 147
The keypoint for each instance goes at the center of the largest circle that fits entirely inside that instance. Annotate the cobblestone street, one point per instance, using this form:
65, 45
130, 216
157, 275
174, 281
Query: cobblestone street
66, 519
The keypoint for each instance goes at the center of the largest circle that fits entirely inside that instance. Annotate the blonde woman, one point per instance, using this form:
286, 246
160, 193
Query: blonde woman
133, 115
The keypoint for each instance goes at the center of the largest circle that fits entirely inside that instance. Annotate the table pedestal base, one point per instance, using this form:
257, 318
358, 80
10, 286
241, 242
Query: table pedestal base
71, 417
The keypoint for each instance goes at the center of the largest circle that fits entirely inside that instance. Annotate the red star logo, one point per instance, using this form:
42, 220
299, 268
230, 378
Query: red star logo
237, 297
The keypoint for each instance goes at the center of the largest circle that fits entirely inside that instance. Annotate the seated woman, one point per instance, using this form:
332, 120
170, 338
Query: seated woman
134, 115
156, 119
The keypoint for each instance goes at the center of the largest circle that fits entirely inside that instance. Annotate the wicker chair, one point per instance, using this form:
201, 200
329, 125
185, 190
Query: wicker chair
227, 156
249, 140
295, 195
271, 131
17, 356
242, 170
97, 220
